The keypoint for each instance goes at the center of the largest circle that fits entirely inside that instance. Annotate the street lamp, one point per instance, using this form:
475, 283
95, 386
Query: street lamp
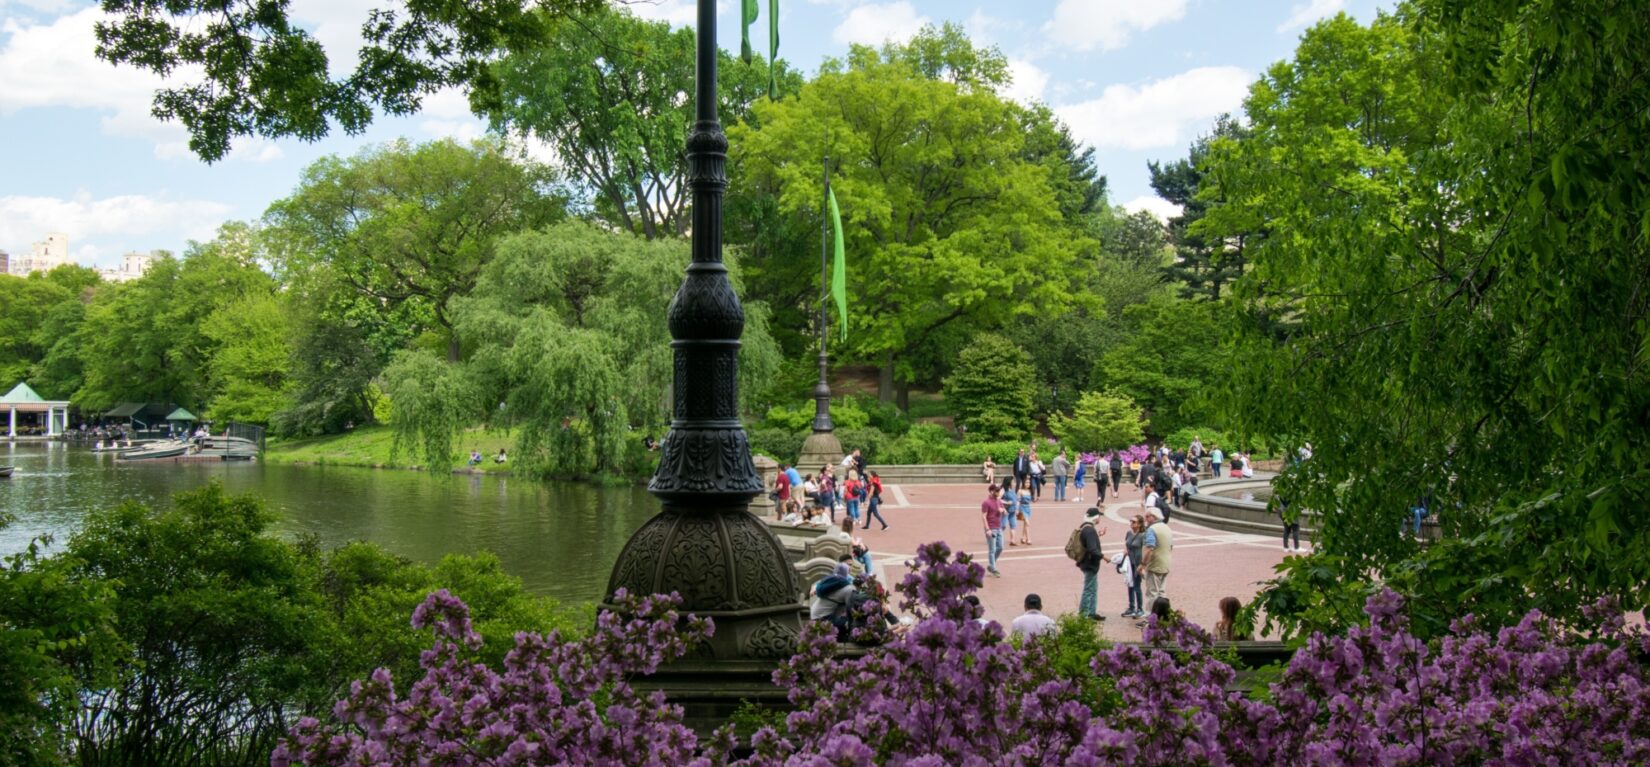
703, 544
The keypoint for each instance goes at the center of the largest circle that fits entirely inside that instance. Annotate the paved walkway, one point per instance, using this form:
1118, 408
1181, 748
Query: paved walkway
1208, 564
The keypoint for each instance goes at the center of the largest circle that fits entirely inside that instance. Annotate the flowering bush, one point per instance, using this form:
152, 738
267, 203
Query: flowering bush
952, 691
557, 701
1132, 454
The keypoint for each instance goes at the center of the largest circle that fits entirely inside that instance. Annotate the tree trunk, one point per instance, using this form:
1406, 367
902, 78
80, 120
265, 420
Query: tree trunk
452, 348
885, 378
904, 400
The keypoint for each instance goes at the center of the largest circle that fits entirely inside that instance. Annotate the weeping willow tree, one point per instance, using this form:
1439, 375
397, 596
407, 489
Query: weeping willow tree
433, 400
568, 328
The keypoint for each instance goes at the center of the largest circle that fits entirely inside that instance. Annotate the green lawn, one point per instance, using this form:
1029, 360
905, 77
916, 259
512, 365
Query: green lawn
370, 446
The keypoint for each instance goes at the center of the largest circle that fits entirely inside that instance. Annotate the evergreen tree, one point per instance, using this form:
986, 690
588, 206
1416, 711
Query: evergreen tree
1203, 261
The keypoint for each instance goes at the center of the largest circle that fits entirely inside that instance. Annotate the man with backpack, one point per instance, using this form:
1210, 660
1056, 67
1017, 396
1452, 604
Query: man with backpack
1083, 547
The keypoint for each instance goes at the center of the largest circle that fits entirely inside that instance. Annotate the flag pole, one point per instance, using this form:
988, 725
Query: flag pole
822, 390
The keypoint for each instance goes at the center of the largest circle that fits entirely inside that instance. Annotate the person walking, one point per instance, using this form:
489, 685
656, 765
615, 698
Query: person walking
1022, 512
1215, 459
873, 505
1089, 534
827, 491
1134, 545
1061, 469
991, 519
1083, 463
782, 491
1038, 471
1157, 559
1291, 523
852, 491
1116, 466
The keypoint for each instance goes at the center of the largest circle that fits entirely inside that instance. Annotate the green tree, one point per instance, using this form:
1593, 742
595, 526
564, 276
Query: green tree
24, 305
1204, 261
1455, 202
947, 221
433, 401
608, 93
57, 637
1101, 421
409, 228
263, 75
569, 330
1124, 269
250, 362
1168, 360
144, 340
218, 620
991, 388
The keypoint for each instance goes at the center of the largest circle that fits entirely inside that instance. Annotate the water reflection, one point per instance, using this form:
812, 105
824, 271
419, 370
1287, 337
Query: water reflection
559, 538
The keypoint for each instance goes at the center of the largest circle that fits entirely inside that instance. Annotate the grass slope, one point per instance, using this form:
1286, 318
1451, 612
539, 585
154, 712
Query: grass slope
371, 446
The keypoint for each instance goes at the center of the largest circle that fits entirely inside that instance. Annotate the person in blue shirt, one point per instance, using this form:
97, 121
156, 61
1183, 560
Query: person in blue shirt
1023, 512
1011, 521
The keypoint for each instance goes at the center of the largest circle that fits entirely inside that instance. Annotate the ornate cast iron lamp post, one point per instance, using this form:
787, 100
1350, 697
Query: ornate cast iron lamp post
703, 544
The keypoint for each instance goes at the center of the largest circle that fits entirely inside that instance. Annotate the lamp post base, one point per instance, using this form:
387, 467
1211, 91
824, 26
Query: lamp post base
727, 566
822, 448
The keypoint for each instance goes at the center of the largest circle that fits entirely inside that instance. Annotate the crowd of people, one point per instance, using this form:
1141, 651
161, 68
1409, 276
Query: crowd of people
1166, 479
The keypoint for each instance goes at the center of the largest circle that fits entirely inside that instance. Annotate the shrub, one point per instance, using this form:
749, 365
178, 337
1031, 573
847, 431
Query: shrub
874, 444
1101, 421
883, 415
845, 414
990, 390
782, 445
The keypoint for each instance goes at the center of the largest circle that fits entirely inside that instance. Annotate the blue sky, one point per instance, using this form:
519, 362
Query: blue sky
1136, 79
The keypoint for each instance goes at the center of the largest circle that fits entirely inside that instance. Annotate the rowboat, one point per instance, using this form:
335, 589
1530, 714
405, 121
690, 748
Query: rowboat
158, 450
5, 472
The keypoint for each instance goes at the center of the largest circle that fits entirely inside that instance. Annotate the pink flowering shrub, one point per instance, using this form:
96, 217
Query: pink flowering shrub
951, 691
1132, 454
557, 701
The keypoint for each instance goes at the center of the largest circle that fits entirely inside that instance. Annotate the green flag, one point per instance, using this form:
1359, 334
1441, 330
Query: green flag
773, 49
749, 13
839, 271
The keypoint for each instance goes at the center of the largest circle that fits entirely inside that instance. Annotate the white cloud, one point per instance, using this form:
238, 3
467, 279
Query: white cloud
1029, 81
982, 28
1158, 206
1107, 24
1308, 13
876, 24
50, 7
683, 13
53, 65
336, 25
678, 13
1158, 113
462, 131
127, 218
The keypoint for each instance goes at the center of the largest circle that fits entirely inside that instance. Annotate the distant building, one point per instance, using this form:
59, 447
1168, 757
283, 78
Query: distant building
132, 266
5, 262
46, 255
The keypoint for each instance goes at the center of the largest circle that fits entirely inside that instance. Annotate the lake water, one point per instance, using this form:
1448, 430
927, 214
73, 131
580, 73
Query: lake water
560, 538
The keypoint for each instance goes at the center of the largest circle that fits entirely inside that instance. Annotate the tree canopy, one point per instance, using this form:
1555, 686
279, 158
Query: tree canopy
1456, 242
948, 221
410, 227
